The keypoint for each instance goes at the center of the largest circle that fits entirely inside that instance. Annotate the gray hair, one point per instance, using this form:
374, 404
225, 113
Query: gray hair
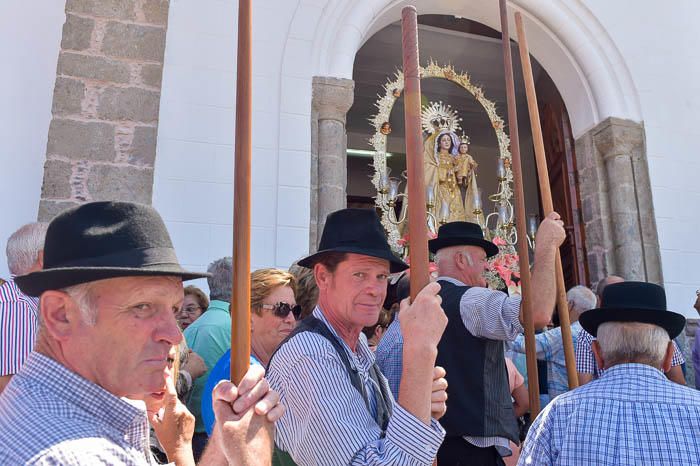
625, 342
582, 298
82, 295
220, 281
23, 247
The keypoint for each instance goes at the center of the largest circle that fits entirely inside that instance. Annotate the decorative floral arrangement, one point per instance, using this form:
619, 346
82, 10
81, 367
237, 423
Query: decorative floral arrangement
505, 268
403, 243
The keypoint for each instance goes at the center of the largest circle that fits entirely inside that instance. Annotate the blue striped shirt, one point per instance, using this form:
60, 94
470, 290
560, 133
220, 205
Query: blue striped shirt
51, 415
18, 326
631, 415
486, 314
327, 421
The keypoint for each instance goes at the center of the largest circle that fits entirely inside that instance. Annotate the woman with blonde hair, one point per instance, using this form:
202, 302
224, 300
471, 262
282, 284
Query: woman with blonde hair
273, 315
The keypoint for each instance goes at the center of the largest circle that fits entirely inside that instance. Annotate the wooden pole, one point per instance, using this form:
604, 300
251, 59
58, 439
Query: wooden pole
417, 216
240, 298
531, 355
546, 193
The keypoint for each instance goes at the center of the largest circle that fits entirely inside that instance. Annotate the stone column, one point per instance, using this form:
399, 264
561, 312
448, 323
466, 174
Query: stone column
102, 136
331, 100
615, 191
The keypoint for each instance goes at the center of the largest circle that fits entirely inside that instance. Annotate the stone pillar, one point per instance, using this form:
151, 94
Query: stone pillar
615, 190
331, 100
102, 136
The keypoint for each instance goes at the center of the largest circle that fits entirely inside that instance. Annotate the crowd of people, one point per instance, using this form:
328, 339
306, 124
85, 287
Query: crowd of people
107, 358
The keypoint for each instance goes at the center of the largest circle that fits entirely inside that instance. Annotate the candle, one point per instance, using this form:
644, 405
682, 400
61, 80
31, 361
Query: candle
393, 188
501, 170
384, 181
444, 211
477, 201
503, 213
532, 222
430, 195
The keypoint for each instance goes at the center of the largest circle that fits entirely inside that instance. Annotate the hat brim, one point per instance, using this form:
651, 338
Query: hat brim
670, 321
439, 243
395, 264
35, 283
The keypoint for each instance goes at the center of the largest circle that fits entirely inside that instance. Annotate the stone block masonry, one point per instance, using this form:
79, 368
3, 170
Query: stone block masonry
102, 138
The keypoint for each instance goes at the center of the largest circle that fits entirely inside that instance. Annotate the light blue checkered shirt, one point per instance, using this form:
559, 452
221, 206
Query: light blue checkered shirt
632, 415
50, 415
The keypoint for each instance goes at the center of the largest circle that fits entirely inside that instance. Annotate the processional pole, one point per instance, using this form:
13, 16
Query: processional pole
546, 193
524, 261
417, 216
240, 297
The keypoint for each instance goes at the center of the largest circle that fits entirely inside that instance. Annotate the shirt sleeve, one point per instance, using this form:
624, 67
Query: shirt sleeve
18, 325
678, 357
547, 344
585, 361
327, 421
389, 356
491, 314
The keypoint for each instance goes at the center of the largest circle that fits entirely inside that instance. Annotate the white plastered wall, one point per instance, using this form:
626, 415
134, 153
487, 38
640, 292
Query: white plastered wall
30, 38
603, 59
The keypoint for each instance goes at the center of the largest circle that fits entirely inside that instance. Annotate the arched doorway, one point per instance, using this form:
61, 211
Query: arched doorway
475, 49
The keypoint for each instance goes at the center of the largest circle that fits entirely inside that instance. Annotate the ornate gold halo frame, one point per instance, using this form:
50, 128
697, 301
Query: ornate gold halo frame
392, 92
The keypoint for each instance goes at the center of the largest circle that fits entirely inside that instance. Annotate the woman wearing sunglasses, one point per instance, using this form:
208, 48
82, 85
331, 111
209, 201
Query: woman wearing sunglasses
274, 314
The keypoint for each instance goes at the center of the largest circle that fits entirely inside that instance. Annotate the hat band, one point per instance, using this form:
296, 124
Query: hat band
128, 258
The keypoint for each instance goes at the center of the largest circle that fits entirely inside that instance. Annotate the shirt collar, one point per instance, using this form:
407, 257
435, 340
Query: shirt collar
628, 370
454, 281
219, 305
363, 356
61, 382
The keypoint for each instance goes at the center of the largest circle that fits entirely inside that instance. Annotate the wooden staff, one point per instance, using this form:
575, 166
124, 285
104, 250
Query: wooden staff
417, 216
240, 297
546, 193
530, 351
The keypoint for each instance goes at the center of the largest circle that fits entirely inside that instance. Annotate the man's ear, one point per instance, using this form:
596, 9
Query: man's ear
322, 276
598, 354
668, 358
40, 259
59, 314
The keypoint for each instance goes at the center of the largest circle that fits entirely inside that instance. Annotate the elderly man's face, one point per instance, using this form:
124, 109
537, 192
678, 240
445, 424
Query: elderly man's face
475, 264
126, 350
357, 289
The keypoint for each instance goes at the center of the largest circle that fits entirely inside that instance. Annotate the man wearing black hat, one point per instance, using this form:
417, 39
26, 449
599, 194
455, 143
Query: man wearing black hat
339, 407
479, 420
108, 293
632, 414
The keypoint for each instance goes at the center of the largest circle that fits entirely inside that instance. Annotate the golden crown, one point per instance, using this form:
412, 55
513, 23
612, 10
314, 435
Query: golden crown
464, 139
439, 117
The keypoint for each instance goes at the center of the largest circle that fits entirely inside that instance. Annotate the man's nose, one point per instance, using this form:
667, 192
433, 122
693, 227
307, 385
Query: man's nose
169, 330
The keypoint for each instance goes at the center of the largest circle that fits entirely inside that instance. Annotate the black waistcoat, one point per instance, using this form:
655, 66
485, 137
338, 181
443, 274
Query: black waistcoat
479, 402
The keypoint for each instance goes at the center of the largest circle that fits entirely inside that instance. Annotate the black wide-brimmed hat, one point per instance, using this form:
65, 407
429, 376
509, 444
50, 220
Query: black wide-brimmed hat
633, 302
104, 240
462, 234
357, 231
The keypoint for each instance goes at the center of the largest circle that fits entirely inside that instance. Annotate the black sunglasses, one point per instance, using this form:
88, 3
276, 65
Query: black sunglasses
282, 310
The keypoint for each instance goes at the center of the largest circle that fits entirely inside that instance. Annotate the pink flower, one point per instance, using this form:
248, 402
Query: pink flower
498, 241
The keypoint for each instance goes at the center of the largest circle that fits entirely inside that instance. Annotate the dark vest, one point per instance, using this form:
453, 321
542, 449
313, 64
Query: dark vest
479, 402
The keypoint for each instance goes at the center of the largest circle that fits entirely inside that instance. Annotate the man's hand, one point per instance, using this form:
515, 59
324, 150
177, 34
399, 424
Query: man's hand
551, 232
174, 426
423, 322
245, 436
438, 399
